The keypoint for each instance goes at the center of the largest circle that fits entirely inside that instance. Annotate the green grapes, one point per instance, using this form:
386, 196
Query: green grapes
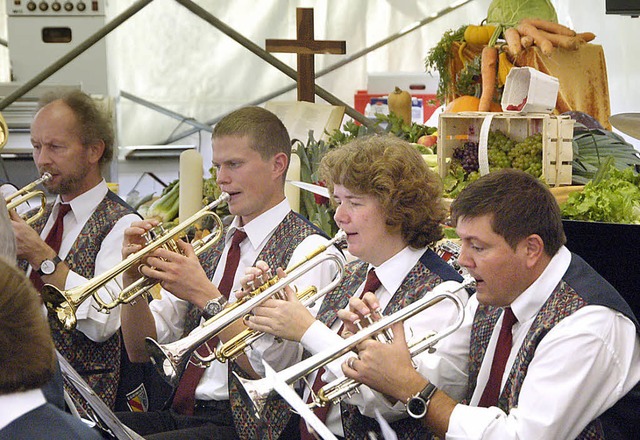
527, 155
502, 152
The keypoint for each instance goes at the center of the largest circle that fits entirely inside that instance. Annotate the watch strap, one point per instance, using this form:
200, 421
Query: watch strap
55, 260
422, 399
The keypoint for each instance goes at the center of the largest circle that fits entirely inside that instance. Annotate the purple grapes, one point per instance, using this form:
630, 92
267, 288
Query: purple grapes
468, 156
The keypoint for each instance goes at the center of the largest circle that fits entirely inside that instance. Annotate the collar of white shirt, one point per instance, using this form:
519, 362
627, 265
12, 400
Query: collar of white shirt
392, 272
262, 226
83, 205
527, 305
15, 405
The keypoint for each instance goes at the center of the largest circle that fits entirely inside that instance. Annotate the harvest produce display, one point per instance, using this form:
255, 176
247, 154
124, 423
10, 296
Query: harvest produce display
488, 51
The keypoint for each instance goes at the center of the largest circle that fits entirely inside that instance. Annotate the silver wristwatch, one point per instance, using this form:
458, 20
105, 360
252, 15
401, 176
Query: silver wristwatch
213, 307
48, 266
418, 404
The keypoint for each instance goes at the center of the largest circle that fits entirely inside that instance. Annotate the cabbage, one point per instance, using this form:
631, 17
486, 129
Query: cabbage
510, 12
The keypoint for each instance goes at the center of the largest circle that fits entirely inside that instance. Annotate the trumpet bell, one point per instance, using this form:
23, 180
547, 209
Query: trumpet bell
254, 394
171, 366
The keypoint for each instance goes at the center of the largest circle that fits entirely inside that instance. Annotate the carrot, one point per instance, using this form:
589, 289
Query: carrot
549, 26
526, 41
512, 37
488, 70
563, 41
540, 40
586, 36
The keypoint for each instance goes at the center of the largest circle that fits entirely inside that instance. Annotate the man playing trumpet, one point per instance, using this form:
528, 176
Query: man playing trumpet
548, 349
81, 233
251, 151
390, 205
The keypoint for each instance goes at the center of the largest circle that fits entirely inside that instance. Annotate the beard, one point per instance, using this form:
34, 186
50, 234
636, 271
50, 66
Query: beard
69, 184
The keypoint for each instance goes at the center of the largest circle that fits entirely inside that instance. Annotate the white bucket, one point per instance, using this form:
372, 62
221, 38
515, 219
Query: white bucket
528, 90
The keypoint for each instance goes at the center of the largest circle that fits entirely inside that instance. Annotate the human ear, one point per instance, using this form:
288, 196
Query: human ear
280, 163
96, 150
534, 249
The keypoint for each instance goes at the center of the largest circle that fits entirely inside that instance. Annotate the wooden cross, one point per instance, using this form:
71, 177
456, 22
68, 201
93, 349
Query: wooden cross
305, 46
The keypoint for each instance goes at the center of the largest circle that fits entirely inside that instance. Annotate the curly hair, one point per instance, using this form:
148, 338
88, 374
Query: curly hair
392, 171
93, 123
27, 356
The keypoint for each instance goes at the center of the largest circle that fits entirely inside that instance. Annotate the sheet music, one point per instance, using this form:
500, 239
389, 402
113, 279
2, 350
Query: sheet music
297, 403
102, 411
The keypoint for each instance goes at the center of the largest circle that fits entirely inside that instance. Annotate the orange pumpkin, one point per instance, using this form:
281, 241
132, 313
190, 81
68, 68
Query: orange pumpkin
468, 103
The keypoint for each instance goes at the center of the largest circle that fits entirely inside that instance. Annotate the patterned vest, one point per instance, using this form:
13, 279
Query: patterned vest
430, 271
580, 286
97, 363
276, 253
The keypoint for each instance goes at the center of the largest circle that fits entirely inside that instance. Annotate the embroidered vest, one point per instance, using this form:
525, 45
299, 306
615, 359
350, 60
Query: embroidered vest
276, 253
580, 286
97, 363
430, 271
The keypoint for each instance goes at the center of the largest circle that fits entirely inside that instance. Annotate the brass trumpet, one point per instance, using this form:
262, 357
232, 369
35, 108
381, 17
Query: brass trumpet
171, 359
255, 393
65, 302
27, 193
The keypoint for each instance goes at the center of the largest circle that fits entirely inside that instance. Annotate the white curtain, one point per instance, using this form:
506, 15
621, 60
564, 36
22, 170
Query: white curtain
167, 55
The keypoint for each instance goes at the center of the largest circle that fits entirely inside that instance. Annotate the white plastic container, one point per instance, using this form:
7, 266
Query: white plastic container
528, 90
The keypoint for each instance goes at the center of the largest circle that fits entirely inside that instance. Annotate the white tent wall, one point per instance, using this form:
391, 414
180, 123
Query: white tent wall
167, 55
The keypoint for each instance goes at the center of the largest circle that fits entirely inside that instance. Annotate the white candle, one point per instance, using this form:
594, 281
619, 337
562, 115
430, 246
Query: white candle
191, 172
293, 192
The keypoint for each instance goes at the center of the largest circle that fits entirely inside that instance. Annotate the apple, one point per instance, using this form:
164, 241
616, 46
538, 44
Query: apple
428, 140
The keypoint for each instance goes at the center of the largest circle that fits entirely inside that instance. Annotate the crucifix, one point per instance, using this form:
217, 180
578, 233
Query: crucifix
306, 46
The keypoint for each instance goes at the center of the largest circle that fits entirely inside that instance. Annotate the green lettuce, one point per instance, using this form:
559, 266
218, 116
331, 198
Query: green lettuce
510, 12
614, 197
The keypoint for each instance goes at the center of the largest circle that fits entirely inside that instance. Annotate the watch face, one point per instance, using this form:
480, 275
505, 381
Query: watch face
47, 267
416, 407
214, 308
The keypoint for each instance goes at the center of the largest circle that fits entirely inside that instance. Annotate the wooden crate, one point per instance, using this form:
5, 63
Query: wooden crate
454, 129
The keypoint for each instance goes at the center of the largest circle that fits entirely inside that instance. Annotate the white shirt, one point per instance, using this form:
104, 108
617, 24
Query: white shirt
319, 337
170, 311
96, 325
583, 366
15, 405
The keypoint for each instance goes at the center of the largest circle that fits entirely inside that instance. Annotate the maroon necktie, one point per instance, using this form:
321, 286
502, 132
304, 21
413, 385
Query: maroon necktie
53, 239
371, 285
184, 398
503, 348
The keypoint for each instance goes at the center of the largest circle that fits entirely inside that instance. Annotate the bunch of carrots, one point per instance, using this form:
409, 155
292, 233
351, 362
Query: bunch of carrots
529, 31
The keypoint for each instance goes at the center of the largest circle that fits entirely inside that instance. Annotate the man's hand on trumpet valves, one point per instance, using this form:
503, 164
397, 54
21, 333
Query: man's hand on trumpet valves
178, 273
284, 317
134, 241
386, 367
29, 244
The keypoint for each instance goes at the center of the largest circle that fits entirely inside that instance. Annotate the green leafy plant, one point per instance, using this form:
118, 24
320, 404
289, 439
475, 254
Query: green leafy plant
316, 208
510, 12
612, 196
438, 59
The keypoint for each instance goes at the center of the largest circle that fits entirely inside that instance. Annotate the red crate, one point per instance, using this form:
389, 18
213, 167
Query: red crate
429, 102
